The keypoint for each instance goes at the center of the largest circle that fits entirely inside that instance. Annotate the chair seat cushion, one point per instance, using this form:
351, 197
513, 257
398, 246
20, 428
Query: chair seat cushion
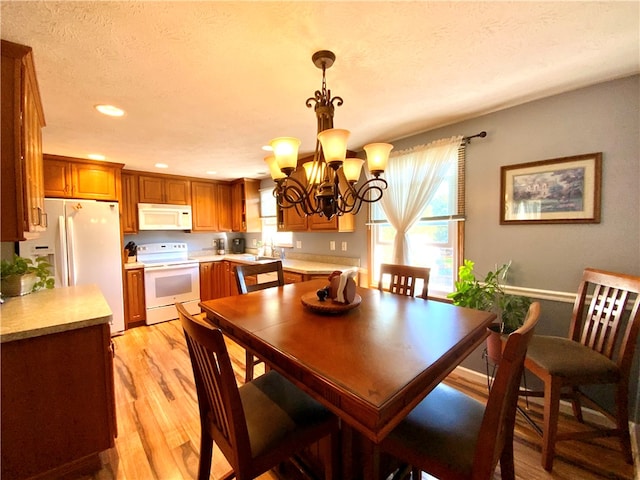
442, 428
565, 358
275, 408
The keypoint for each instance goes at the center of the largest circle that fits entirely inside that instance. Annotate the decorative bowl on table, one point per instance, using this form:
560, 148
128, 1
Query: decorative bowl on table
328, 306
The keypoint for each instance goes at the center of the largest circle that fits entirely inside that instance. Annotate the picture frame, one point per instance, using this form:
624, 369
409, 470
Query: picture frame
559, 190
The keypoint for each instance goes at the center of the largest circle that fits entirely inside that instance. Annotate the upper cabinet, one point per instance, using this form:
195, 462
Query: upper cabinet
164, 189
22, 190
129, 203
211, 205
67, 177
245, 203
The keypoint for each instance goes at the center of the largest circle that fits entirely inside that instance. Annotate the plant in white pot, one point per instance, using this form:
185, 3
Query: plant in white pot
489, 295
20, 276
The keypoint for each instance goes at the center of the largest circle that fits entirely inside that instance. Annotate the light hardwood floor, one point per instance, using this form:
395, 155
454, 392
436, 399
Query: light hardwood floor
158, 426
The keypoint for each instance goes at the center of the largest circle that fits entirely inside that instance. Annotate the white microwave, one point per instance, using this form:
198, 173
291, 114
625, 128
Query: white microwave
152, 216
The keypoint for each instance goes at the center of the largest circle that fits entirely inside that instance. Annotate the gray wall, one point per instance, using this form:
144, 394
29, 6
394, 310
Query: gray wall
602, 118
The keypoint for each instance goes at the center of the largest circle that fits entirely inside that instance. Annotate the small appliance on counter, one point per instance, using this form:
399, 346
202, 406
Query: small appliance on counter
237, 245
219, 245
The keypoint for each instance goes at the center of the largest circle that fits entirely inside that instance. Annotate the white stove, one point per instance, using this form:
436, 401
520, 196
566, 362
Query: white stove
169, 278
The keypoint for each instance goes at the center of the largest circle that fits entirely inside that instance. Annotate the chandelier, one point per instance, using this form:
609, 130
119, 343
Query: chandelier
330, 185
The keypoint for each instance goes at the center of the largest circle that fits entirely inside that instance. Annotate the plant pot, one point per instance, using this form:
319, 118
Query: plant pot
16, 285
494, 343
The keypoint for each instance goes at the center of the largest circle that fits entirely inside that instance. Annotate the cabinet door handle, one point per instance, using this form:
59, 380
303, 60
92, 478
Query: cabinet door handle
44, 218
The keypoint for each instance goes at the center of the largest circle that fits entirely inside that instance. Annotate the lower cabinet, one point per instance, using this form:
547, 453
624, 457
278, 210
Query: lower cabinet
213, 280
134, 299
58, 403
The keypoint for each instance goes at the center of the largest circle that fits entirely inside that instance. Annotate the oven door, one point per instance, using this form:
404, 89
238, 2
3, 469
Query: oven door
167, 285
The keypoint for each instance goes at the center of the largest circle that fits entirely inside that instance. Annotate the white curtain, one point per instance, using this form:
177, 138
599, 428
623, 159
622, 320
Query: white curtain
413, 177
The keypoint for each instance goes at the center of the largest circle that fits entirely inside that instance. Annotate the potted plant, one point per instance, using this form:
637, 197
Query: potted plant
489, 295
20, 275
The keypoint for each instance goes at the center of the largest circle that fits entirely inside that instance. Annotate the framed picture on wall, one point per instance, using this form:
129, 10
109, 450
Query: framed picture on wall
560, 190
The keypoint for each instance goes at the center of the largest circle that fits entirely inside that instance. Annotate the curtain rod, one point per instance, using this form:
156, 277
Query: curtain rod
467, 140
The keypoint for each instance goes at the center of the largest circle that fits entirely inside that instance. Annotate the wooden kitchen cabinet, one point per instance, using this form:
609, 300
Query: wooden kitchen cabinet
134, 298
129, 203
213, 279
292, 277
164, 189
245, 206
58, 403
21, 174
210, 203
68, 177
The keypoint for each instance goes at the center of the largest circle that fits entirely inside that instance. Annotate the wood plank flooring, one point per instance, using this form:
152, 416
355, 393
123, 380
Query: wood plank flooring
158, 426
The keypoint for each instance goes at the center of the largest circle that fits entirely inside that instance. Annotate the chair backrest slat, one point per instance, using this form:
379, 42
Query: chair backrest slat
218, 397
244, 271
403, 279
603, 327
499, 417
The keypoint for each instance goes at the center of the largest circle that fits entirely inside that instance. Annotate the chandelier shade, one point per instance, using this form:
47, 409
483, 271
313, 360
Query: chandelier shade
324, 191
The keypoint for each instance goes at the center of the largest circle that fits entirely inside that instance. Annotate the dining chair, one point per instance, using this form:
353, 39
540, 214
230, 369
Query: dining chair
403, 279
252, 277
255, 426
603, 334
452, 436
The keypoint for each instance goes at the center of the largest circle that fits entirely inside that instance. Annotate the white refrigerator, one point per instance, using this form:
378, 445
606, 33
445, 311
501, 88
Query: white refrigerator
82, 243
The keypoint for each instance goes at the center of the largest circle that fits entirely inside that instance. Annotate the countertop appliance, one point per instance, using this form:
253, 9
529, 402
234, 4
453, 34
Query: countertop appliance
82, 243
169, 278
237, 245
162, 216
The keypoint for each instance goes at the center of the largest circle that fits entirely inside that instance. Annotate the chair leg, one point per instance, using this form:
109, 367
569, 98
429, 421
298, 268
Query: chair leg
551, 409
575, 404
249, 363
622, 420
206, 452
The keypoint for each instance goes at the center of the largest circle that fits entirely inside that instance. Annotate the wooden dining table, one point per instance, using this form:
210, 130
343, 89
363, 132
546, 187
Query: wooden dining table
371, 364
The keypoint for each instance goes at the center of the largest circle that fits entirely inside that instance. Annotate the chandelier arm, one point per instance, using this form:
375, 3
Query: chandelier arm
352, 199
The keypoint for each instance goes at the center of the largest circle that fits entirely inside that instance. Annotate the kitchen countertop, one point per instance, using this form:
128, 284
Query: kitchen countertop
52, 311
305, 267
293, 265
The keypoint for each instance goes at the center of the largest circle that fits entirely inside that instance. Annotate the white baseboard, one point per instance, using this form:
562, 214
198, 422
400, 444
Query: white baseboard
589, 414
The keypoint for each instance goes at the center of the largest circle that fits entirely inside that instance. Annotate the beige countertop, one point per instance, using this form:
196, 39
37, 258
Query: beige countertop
305, 267
293, 265
52, 311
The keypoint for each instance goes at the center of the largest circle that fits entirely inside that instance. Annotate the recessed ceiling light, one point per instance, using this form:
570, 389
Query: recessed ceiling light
110, 110
96, 156
211, 172
162, 165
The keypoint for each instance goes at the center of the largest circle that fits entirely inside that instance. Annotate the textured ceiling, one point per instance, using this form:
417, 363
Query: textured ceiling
206, 84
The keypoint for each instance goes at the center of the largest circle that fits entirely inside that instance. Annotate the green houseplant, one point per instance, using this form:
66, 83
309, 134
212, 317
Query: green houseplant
20, 275
488, 294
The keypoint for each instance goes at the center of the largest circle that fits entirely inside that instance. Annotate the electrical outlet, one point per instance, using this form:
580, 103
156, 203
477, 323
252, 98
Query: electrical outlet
298, 243
344, 246
332, 245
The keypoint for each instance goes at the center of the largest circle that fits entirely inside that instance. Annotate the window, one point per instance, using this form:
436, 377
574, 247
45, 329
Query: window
268, 211
271, 235
434, 239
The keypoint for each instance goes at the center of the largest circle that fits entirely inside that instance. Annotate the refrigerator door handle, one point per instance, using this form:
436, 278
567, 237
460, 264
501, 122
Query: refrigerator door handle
62, 264
70, 251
